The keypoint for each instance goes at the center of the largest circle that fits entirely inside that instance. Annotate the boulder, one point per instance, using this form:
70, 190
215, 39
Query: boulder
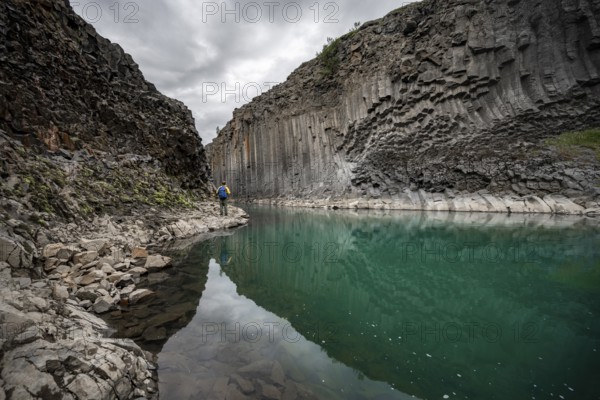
60, 292
107, 269
85, 257
51, 250
50, 264
63, 270
93, 276
157, 262
14, 253
66, 252
139, 252
121, 266
138, 271
124, 281
103, 304
22, 282
126, 291
86, 294
114, 277
98, 245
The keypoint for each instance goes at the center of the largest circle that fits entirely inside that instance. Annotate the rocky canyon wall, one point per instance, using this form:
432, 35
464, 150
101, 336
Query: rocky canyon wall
81, 129
437, 101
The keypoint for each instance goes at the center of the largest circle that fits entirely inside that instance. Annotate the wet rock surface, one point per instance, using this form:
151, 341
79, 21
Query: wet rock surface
436, 97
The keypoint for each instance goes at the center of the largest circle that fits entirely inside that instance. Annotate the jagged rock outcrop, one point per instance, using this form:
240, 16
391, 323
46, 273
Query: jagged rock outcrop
440, 99
80, 126
82, 133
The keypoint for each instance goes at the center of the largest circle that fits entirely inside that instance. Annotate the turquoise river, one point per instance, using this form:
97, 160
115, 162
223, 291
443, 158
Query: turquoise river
386, 305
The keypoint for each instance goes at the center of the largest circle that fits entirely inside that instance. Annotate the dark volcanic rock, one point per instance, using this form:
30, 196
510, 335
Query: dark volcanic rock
452, 97
68, 92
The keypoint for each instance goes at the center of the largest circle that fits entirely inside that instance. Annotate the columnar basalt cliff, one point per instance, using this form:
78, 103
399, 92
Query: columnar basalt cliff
438, 105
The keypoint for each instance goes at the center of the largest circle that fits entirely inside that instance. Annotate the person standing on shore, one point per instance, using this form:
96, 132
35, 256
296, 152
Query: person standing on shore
223, 193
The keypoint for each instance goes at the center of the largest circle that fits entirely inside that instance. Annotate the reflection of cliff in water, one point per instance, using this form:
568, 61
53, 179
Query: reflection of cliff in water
375, 281
177, 292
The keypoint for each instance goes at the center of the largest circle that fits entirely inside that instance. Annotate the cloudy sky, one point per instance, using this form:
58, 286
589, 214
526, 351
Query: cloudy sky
217, 56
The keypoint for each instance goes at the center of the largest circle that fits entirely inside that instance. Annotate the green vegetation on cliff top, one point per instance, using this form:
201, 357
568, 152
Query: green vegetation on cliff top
329, 56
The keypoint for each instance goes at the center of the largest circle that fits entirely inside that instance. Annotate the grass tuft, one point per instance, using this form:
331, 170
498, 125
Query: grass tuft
569, 144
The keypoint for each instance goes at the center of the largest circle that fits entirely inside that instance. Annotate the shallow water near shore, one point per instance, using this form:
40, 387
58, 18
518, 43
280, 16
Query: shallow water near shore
371, 305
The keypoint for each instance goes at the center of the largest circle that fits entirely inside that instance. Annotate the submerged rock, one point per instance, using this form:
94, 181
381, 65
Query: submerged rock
155, 263
139, 295
152, 334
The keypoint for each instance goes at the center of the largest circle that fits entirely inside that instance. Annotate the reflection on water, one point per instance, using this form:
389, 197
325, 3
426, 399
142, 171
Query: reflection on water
316, 304
173, 304
464, 305
234, 347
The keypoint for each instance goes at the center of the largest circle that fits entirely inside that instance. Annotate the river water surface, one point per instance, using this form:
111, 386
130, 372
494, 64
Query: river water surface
345, 305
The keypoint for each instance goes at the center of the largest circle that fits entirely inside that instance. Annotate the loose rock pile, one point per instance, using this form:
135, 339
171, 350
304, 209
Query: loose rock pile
51, 348
98, 277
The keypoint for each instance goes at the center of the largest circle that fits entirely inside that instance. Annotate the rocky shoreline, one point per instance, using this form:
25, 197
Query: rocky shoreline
52, 345
447, 201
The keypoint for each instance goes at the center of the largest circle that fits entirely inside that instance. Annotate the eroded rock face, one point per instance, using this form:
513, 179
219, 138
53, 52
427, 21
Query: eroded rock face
438, 96
64, 87
82, 133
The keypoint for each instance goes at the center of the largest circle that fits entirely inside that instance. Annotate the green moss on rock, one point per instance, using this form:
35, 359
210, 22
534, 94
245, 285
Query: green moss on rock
570, 144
